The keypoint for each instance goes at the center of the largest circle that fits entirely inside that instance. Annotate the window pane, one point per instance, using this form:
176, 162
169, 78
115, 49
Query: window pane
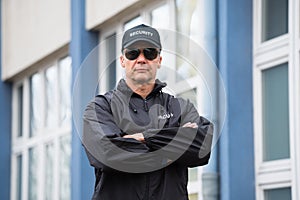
32, 175
193, 196
20, 111
19, 177
65, 78
36, 93
49, 172
65, 168
278, 194
275, 113
190, 95
51, 98
111, 61
186, 13
133, 22
193, 174
158, 14
275, 18
156, 21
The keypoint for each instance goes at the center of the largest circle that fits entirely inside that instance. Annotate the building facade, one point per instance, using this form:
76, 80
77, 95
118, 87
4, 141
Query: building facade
56, 55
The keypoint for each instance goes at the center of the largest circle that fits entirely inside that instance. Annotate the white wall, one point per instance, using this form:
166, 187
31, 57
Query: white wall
31, 30
98, 11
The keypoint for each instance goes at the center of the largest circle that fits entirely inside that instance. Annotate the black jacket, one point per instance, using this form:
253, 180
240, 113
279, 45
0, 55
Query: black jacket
127, 169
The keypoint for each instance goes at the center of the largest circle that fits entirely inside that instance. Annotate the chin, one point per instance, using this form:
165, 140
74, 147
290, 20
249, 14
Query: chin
143, 80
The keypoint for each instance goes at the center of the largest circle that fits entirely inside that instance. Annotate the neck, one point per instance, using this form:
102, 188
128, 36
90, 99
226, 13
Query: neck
142, 89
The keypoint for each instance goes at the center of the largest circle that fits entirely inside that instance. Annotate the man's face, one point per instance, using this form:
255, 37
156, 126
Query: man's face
140, 70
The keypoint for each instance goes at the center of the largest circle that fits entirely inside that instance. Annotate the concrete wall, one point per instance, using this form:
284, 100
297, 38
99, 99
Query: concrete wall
31, 30
98, 11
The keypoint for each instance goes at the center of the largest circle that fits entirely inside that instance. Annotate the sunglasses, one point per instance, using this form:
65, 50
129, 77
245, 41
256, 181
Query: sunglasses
149, 53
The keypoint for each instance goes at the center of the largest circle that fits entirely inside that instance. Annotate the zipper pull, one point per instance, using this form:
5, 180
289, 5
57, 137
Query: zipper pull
146, 105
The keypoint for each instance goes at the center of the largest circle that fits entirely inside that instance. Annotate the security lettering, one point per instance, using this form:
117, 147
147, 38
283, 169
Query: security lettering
140, 32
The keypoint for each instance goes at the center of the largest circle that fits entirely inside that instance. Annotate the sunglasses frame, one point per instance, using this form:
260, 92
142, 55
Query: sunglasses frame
146, 51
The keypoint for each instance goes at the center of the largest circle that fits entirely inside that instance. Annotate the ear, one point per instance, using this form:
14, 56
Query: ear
159, 62
122, 61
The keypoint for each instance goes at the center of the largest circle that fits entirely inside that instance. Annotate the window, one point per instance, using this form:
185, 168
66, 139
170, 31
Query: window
20, 110
275, 113
41, 144
19, 176
185, 14
111, 58
276, 98
278, 194
274, 18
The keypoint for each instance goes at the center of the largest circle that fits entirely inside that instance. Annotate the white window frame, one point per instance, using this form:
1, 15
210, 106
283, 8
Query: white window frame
117, 27
268, 54
21, 145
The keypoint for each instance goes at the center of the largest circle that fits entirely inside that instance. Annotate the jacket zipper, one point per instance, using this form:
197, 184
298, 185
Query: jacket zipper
146, 105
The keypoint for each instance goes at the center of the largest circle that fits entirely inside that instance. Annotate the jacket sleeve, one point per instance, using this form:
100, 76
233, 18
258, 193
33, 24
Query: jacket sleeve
104, 145
186, 146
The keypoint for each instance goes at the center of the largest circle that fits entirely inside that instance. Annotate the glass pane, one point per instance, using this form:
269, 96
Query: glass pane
275, 113
20, 111
186, 13
193, 174
36, 92
111, 62
158, 14
19, 177
156, 21
278, 194
51, 97
274, 18
49, 172
32, 175
190, 95
65, 168
193, 196
65, 78
133, 22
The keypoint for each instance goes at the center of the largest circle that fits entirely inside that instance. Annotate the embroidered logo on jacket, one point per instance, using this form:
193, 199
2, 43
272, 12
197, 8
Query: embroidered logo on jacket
166, 116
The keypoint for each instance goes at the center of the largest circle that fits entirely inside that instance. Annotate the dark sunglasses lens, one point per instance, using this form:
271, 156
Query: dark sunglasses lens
132, 54
150, 53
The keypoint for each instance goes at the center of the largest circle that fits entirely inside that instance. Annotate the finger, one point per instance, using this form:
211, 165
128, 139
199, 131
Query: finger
187, 124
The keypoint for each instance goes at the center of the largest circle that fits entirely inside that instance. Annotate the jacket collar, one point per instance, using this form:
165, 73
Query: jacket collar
123, 87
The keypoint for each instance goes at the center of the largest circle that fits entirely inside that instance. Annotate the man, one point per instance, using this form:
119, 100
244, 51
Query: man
139, 139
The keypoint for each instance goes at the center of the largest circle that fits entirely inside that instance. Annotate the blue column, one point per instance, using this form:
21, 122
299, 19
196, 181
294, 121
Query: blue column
5, 124
235, 64
82, 42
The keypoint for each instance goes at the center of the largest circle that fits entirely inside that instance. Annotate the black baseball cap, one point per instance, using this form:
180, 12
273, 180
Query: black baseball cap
141, 32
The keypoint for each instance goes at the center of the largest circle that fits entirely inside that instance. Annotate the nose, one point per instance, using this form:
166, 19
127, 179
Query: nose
141, 59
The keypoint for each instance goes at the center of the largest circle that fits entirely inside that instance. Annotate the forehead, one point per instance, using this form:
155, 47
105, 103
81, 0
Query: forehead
141, 44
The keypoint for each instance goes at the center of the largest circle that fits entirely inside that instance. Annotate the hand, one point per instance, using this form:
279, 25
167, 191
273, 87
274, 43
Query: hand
190, 125
136, 136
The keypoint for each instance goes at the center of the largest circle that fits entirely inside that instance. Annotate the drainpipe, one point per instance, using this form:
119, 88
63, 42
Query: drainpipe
210, 175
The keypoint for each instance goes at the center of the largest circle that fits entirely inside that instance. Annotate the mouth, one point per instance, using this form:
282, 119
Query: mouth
142, 70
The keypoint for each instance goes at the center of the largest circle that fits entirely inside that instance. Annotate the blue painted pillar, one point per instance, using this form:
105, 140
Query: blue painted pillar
236, 155
5, 124
82, 42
